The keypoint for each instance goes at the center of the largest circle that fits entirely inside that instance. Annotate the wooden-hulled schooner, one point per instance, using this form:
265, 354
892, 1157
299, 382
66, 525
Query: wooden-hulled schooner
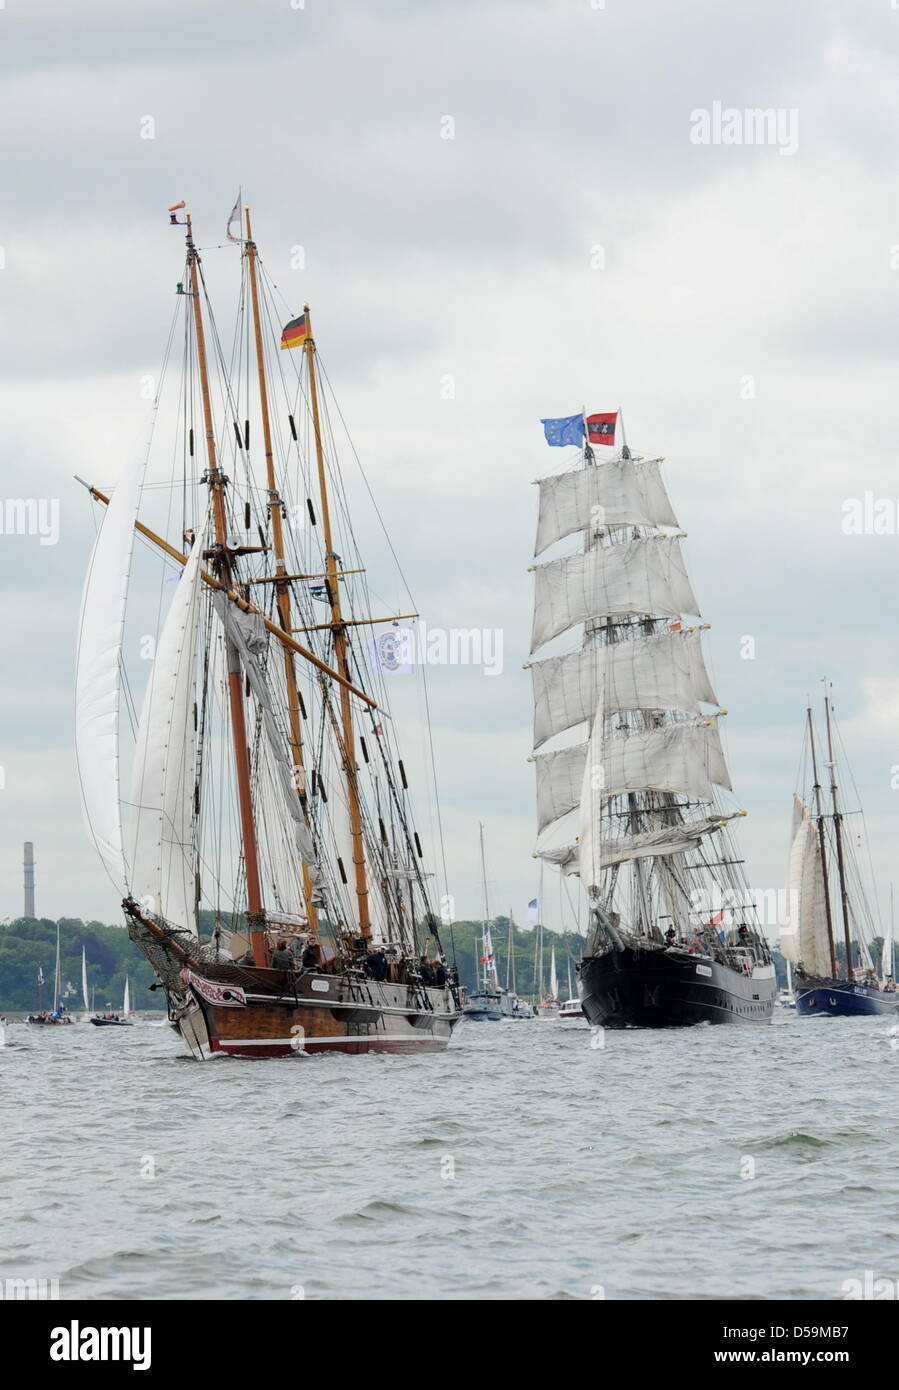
828, 933
635, 810
271, 868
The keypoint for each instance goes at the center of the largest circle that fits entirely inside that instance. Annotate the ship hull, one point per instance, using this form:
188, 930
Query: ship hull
817, 998
492, 1008
341, 1016
632, 988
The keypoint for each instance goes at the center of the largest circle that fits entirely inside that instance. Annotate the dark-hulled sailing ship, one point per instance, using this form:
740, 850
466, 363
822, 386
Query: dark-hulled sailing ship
829, 913
271, 869
636, 810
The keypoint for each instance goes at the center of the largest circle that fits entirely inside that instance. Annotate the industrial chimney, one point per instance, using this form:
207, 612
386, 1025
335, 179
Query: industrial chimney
29, 878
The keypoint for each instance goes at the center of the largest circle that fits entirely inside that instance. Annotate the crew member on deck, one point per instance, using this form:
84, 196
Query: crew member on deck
281, 957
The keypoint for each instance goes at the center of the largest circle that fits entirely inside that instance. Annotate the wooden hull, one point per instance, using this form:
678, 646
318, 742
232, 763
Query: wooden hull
325, 1013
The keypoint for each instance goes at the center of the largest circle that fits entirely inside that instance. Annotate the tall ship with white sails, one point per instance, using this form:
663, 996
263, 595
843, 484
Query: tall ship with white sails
631, 773
263, 836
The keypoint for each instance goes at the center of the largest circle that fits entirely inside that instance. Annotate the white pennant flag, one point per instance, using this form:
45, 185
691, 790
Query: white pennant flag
235, 217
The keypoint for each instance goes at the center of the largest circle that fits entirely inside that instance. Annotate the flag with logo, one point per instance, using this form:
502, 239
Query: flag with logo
532, 911
601, 428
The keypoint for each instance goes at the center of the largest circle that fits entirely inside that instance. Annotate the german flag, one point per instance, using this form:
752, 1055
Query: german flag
295, 333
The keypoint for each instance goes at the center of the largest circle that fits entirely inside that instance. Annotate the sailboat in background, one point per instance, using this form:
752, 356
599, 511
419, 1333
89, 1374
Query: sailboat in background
823, 867
85, 992
571, 1010
122, 1020
787, 997
266, 786
634, 810
58, 1014
489, 1002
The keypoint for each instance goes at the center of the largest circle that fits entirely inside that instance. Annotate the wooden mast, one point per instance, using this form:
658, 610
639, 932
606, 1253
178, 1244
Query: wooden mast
223, 569
282, 587
338, 628
821, 842
838, 829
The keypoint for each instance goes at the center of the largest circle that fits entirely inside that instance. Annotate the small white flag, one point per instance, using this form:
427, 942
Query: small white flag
235, 217
532, 912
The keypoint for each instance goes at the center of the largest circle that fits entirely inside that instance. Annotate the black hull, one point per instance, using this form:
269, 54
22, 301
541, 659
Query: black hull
111, 1023
634, 988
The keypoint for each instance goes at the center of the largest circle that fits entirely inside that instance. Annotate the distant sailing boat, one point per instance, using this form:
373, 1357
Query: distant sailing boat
489, 1001
85, 994
571, 1010
58, 1014
786, 998
267, 785
122, 1020
650, 839
822, 870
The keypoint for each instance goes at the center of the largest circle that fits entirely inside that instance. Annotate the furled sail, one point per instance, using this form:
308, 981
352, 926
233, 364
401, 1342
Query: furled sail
161, 842
643, 576
622, 492
684, 758
100, 628
804, 937
664, 671
247, 633
650, 844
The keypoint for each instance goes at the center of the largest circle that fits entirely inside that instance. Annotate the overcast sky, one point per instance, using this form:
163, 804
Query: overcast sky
571, 244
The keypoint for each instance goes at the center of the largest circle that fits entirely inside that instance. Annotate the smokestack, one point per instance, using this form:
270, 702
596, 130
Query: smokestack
29, 878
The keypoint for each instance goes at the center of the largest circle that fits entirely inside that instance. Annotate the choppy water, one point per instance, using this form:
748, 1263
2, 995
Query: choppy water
521, 1163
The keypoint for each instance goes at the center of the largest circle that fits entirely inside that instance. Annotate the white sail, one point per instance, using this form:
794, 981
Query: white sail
886, 955
100, 626
650, 844
804, 937
664, 671
684, 758
592, 785
553, 977
84, 991
161, 850
638, 577
126, 1002
619, 493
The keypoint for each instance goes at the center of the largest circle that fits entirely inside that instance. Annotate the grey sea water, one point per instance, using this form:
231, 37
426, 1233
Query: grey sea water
520, 1164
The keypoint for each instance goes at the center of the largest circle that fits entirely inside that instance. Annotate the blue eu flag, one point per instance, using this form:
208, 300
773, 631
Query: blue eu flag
568, 430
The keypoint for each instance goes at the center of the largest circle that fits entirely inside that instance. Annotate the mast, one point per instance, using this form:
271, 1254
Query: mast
838, 829
282, 587
510, 964
222, 564
821, 842
338, 628
487, 953
57, 977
